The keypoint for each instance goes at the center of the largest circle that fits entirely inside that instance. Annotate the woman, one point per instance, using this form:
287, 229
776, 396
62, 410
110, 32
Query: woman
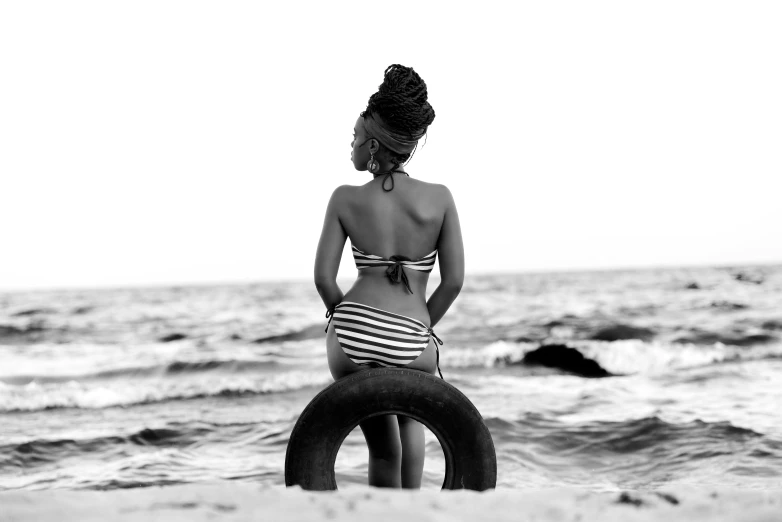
397, 227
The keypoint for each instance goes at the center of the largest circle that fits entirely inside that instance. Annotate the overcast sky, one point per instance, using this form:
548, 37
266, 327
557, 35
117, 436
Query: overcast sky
172, 142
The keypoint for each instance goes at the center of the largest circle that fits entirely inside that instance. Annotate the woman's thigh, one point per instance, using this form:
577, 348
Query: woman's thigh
340, 364
427, 361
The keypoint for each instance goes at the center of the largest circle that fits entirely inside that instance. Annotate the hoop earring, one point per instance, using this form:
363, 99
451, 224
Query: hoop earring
372, 165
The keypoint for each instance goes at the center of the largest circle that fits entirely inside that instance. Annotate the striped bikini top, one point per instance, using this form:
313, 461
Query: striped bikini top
396, 264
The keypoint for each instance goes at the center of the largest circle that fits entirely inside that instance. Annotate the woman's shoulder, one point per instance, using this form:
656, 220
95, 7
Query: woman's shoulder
435, 187
440, 192
342, 192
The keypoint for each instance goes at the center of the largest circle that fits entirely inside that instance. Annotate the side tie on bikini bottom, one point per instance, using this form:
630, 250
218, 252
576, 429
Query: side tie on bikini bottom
329, 314
431, 332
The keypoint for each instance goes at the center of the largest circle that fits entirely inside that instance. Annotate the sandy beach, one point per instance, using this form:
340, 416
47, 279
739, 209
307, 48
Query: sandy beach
238, 501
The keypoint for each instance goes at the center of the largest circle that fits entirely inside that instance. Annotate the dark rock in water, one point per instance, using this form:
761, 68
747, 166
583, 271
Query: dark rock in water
310, 332
693, 286
172, 337
747, 278
565, 358
667, 497
81, 310
236, 337
627, 498
727, 305
149, 436
619, 332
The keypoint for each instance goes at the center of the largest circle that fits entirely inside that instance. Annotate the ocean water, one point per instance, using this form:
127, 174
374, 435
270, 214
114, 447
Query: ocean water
118, 388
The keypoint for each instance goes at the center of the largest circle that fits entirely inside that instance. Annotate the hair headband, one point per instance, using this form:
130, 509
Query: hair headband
395, 141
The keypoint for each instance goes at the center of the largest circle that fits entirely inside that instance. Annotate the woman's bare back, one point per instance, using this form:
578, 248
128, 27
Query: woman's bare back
411, 220
405, 221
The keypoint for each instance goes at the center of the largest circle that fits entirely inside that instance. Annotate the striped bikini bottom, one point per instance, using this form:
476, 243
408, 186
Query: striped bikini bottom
375, 337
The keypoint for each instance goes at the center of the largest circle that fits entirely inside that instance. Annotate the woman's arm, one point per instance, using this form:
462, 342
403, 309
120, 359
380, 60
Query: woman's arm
451, 258
330, 246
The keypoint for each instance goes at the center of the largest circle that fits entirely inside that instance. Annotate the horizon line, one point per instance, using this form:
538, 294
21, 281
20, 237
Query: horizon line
282, 280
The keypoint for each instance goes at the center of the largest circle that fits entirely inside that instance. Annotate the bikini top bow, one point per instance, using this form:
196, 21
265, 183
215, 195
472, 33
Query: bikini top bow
396, 272
396, 265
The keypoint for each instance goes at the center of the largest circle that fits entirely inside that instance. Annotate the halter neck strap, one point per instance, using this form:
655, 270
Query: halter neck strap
388, 175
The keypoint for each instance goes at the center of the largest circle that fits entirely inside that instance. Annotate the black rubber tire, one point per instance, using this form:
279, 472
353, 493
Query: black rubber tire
470, 460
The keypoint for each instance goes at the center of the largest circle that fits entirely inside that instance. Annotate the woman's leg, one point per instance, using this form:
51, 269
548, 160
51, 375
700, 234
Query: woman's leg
411, 433
385, 451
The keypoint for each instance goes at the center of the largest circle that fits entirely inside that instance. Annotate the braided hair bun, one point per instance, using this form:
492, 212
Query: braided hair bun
401, 100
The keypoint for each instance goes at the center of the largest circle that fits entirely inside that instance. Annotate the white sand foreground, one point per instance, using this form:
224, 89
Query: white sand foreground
235, 501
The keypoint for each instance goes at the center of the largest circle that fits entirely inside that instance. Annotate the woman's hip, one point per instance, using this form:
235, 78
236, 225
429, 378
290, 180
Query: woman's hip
356, 356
